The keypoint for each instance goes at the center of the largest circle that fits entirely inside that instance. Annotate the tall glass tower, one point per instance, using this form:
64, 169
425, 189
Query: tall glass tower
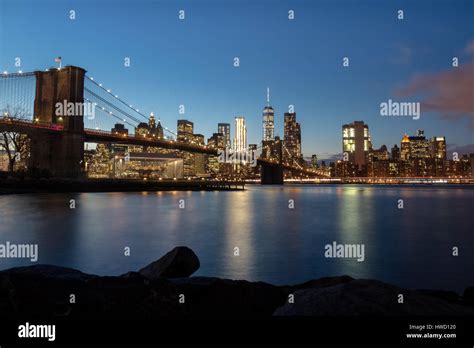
224, 129
268, 120
240, 139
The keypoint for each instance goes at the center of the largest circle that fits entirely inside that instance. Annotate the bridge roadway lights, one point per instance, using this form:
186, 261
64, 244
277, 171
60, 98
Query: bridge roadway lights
271, 174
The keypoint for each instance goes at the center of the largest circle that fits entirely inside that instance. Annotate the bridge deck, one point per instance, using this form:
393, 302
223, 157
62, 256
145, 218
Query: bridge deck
94, 135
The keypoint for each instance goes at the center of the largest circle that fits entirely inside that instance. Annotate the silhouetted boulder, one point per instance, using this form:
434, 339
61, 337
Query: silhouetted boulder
48, 271
41, 290
449, 296
468, 295
49, 292
178, 263
322, 282
370, 298
215, 297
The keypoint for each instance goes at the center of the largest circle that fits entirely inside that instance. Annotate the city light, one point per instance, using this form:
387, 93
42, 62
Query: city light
418, 156
263, 190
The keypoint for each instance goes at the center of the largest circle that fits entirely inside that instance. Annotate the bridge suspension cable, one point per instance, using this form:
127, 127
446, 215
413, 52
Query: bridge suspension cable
291, 157
121, 101
17, 94
109, 113
102, 101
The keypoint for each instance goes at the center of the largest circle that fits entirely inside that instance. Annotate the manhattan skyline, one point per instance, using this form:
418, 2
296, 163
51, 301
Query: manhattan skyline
186, 62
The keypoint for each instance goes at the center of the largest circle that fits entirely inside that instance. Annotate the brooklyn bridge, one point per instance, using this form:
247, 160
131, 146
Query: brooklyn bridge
56, 142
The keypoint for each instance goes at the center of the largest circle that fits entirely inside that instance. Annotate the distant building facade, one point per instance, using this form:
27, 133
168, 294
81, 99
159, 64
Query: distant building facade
292, 138
224, 129
240, 139
356, 143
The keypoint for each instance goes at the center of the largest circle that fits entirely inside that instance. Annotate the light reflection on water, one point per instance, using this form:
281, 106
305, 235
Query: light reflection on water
409, 247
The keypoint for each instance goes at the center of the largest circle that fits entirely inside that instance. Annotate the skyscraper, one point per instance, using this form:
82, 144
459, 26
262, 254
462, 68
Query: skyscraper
185, 130
152, 120
314, 161
395, 153
159, 131
198, 139
217, 141
356, 142
155, 130
438, 147
143, 129
405, 148
120, 129
240, 139
292, 137
185, 134
268, 120
224, 129
420, 153
419, 145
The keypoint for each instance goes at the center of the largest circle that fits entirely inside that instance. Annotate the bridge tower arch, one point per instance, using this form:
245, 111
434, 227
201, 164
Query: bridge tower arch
272, 173
59, 153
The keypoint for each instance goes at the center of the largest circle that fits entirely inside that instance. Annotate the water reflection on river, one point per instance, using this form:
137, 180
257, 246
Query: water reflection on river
410, 247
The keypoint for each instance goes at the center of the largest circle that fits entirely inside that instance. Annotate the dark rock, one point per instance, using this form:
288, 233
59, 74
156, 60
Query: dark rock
322, 282
7, 290
449, 296
370, 298
131, 298
41, 290
217, 298
48, 271
179, 262
468, 295
27, 293
44, 291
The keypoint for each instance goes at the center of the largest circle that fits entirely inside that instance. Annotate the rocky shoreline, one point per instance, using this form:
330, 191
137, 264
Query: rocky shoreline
164, 289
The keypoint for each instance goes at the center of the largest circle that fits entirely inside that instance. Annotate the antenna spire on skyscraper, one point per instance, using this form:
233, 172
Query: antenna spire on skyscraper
268, 120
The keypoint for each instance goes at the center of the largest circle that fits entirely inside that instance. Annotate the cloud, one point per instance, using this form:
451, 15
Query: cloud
460, 149
449, 93
469, 48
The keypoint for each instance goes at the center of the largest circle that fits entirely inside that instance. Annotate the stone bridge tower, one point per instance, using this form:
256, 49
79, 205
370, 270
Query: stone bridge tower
59, 152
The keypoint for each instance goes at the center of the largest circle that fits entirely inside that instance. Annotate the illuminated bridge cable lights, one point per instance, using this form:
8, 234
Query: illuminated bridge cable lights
6, 74
289, 154
128, 105
109, 113
115, 96
111, 103
101, 102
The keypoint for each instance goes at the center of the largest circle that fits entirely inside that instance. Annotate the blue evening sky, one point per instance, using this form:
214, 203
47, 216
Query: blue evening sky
190, 61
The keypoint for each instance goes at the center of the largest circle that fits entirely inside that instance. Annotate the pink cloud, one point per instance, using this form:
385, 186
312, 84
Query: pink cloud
469, 47
450, 92
460, 149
